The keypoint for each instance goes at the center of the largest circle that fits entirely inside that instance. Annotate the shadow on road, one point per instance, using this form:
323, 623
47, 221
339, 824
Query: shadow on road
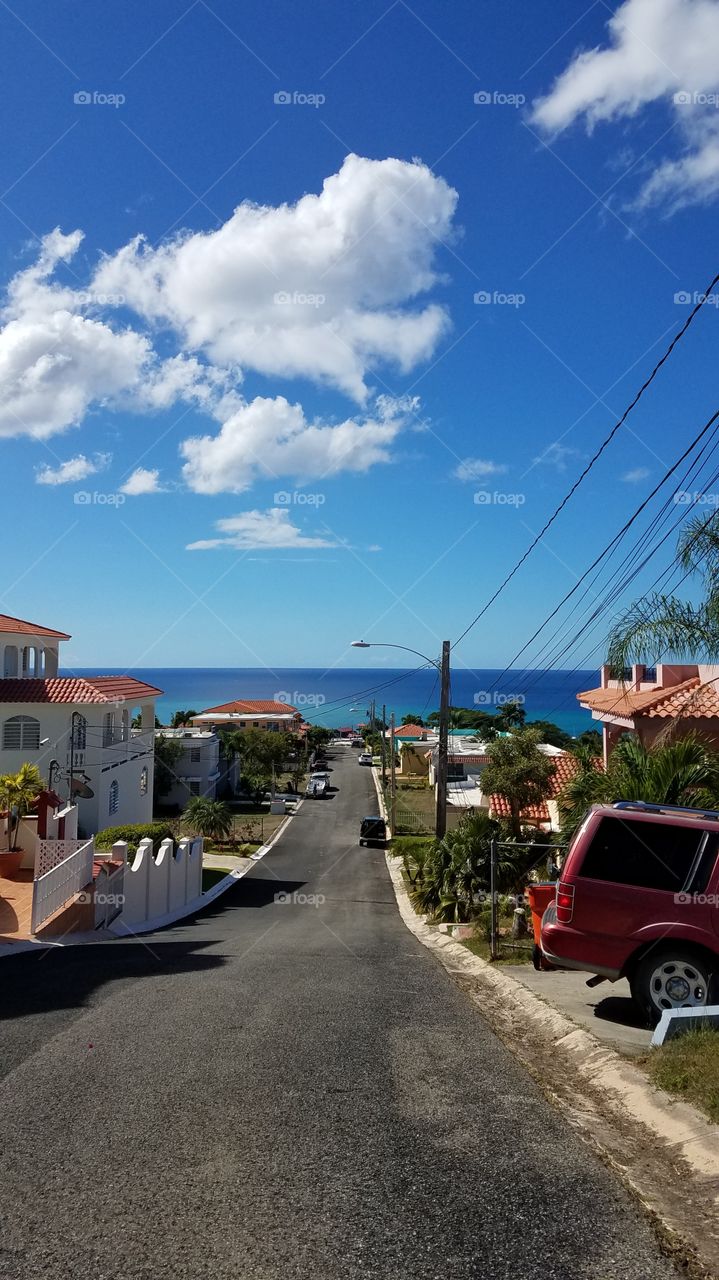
64, 977
620, 1009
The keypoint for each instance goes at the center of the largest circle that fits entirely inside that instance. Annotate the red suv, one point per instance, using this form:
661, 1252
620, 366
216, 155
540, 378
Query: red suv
638, 898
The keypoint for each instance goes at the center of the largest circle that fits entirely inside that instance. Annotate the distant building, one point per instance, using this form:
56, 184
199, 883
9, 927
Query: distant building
202, 769
79, 729
275, 717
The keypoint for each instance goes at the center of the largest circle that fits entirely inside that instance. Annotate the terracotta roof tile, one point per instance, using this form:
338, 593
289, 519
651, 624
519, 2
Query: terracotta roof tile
76, 689
250, 708
410, 731
690, 698
500, 808
9, 624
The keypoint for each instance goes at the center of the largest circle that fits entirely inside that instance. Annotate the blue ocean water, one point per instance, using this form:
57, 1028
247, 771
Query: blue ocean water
341, 696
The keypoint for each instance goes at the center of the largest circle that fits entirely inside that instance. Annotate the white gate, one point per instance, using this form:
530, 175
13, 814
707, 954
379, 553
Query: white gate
59, 885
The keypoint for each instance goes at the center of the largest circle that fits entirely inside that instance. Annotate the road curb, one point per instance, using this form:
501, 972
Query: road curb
649, 1139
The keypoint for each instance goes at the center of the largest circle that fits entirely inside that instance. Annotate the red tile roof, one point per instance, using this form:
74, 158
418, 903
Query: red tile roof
690, 698
565, 767
29, 628
500, 808
77, 689
410, 731
250, 708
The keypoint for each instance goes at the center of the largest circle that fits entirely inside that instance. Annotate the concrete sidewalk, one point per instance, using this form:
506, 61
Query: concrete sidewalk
608, 1010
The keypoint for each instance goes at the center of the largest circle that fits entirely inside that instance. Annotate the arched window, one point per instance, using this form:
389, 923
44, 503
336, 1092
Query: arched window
79, 732
21, 733
143, 781
108, 729
10, 665
114, 799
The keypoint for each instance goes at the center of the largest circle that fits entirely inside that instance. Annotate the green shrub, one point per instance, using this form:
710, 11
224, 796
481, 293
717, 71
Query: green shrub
133, 833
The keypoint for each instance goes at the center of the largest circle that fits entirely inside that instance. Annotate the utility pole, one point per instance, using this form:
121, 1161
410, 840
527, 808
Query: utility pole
392, 776
384, 744
442, 751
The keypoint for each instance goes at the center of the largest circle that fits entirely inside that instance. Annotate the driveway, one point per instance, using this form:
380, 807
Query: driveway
287, 1086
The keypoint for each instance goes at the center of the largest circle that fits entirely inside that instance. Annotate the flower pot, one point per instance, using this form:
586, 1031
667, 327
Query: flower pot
10, 863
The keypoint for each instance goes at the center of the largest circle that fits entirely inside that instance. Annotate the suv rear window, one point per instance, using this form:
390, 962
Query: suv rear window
651, 855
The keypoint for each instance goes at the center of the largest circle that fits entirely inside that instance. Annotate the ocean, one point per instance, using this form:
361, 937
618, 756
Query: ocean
341, 696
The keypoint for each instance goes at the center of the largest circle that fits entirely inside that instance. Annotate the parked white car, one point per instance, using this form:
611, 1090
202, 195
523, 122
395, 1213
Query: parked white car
365, 757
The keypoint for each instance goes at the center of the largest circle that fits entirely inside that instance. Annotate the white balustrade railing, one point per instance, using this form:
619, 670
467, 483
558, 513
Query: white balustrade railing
50, 852
59, 885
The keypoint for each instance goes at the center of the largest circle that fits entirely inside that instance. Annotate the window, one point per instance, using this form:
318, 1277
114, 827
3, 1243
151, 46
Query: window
193, 788
114, 799
650, 855
143, 781
195, 755
21, 733
108, 729
79, 732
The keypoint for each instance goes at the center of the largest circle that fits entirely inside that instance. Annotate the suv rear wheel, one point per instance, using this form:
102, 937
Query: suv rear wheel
676, 979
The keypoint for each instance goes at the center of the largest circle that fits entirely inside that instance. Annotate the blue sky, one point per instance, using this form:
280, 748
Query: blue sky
276, 420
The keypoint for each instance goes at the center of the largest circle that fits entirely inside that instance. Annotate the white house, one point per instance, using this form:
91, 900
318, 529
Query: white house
76, 729
202, 769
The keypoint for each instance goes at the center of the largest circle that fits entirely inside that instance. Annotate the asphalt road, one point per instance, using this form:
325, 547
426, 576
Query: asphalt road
285, 1089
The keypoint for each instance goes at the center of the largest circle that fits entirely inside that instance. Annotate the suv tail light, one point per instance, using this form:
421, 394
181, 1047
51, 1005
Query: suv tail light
565, 902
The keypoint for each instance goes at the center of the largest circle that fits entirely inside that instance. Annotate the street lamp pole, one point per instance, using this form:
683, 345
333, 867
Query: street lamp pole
443, 668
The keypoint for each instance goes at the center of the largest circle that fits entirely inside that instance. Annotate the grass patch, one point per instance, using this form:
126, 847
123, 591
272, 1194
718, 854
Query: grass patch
211, 876
480, 947
688, 1068
400, 845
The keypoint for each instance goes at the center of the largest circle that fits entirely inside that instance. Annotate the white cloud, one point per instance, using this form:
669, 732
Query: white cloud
321, 289
260, 531
634, 476
556, 455
74, 469
142, 481
658, 50
272, 438
477, 468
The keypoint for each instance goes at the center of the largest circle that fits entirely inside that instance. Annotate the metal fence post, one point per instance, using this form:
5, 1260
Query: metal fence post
493, 900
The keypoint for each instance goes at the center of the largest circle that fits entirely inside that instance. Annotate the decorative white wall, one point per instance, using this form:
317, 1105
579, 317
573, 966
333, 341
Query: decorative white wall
154, 887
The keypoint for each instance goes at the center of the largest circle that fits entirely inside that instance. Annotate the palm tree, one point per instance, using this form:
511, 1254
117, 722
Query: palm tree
210, 818
684, 771
18, 793
661, 624
181, 719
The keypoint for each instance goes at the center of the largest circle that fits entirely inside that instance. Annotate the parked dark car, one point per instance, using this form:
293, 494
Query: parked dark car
373, 830
638, 898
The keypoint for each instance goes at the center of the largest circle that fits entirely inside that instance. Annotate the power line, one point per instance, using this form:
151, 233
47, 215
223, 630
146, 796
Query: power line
604, 445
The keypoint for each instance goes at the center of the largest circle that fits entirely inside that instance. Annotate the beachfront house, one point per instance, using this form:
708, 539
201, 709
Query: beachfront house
274, 717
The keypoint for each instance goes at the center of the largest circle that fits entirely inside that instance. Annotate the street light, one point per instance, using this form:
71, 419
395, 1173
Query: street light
442, 667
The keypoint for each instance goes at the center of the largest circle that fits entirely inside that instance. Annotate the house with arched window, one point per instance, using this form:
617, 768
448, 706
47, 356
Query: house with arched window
92, 737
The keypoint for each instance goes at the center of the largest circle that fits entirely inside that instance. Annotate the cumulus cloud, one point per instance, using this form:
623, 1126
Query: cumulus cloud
658, 50
477, 469
320, 289
142, 481
74, 469
260, 531
269, 437
635, 475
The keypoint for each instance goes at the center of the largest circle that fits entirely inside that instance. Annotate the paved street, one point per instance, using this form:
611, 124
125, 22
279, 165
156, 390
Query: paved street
287, 1089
